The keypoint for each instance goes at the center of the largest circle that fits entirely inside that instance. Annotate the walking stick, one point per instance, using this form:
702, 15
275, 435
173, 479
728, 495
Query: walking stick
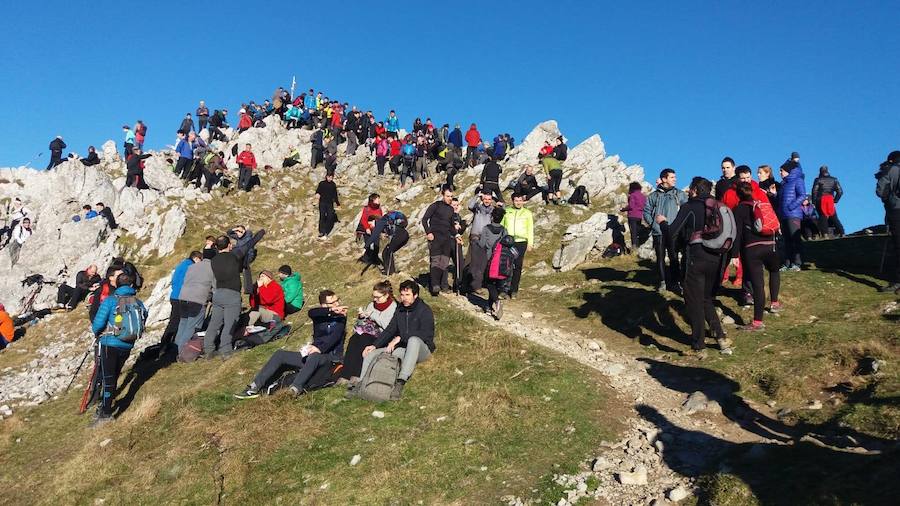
78, 369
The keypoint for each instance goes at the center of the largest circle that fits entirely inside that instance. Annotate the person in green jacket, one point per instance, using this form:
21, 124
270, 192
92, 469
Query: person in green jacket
293, 289
519, 223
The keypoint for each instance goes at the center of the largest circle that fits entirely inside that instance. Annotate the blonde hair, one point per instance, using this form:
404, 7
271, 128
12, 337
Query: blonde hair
767, 170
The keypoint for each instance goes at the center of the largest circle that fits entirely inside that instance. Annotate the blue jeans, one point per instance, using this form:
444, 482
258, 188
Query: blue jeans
192, 315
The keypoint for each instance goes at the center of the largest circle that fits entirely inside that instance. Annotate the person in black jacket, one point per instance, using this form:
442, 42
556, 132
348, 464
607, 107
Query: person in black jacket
245, 242
56, 148
106, 288
92, 157
440, 232
329, 324
561, 150
728, 179
217, 121
409, 336
327, 199
527, 185
318, 148
490, 179
134, 175
829, 187
86, 281
106, 212
704, 269
226, 299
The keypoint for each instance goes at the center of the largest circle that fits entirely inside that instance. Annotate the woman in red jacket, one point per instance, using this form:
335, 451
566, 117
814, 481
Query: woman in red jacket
245, 122
246, 165
370, 213
268, 300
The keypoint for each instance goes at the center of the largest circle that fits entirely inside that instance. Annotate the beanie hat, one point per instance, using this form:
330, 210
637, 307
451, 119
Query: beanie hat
795, 155
285, 269
894, 157
823, 170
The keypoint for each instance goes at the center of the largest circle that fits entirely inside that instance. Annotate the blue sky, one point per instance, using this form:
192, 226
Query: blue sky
663, 83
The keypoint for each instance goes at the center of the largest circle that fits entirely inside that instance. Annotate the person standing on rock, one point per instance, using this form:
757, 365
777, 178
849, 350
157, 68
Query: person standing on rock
392, 123
318, 148
20, 234
187, 124
351, 128
826, 192
226, 300
196, 291
202, 116
440, 232
635, 212
119, 323
887, 188
185, 150
246, 165
704, 270
56, 148
473, 140
490, 235
482, 206
490, 179
168, 335
661, 208
129, 141
519, 224
327, 199
134, 173
216, 122
245, 121
793, 194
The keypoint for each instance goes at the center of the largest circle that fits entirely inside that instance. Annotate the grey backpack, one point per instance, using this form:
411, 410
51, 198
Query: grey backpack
377, 382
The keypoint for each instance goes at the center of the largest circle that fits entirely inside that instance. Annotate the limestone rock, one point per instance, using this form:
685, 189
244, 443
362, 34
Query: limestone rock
581, 238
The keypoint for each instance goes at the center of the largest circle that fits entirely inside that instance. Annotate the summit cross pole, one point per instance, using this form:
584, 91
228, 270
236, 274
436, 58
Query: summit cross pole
293, 84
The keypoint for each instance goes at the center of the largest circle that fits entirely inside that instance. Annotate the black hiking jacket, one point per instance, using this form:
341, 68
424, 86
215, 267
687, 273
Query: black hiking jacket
416, 320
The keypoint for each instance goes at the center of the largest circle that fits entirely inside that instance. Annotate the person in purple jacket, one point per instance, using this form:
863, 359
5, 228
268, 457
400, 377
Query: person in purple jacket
635, 209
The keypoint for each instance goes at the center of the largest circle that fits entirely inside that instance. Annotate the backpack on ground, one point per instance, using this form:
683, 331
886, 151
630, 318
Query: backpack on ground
765, 221
279, 330
129, 319
191, 350
503, 259
324, 377
718, 232
580, 196
377, 382
613, 250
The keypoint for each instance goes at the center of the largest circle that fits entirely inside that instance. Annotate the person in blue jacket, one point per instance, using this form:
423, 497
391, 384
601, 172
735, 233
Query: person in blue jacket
392, 123
115, 339
185, 150
499, 147
168, 335
791, 197
456, 138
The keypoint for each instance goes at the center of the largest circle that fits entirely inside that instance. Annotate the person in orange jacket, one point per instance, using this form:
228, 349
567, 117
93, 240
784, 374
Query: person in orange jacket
246, 165
473, 140
245, 122
7, 329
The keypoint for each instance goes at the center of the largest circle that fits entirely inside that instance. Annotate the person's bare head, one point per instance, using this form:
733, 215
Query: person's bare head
667, 178
728, 167
447, 195
744, 174
91, 270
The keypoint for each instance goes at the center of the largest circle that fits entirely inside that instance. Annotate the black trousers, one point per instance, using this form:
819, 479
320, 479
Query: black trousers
55, 159
379, 162
327, 219
793, 240
555, 180
353, 358
245, 173
183, 167
521, 247
316, 157
210, 179
70, 295
197, 172
634, 228
204, 120
664, 246
755, 260
398, 240
110, 362
478, 258
704, 272
893, 223
168, 334
440, 251
826, 222
282, 360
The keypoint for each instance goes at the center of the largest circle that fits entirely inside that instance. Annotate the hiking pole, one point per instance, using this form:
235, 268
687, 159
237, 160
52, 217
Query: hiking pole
78, 369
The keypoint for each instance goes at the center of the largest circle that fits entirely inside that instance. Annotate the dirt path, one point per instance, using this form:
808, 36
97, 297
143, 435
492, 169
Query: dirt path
672, 427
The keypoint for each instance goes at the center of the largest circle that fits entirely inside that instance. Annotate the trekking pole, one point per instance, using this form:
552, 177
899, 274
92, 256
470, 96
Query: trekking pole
78, 369
35, 157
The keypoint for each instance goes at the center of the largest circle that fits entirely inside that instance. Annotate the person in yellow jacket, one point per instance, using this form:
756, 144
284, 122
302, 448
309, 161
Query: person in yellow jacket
519, 223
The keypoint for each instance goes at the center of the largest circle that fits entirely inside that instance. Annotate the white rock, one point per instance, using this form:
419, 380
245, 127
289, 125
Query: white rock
378, 414
638, 476
355, 460
678, 494
105, 442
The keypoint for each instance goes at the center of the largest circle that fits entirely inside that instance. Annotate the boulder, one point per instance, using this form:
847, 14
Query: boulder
595, 233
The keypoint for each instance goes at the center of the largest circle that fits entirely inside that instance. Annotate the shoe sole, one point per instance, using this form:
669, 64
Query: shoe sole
242, 397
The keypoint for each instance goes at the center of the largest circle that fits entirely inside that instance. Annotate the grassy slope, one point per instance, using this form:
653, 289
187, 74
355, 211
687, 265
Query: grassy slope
185, 439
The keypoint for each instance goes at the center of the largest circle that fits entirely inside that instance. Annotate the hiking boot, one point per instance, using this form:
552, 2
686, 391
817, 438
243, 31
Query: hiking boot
746, 300
100, 419
497, 310
692, 353
795, 268
776, 307
661, 288
503, 296
58, 305
893, 287
784, 268
725, 346
248, 393
397, 392
752, 327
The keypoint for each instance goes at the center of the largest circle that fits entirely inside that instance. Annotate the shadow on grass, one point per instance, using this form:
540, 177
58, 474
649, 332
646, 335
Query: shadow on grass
852, 257
145, 367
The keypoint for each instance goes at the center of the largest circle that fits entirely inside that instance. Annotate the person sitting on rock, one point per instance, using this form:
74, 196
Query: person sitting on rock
293, 117
267, 300
213, 169
409, 336
245, 121
292, 286
370, 214
370, 322
86, 281
527, 185
327, 348
7, 328
107, 214
86, 214
92, 157
134, 174
292, 159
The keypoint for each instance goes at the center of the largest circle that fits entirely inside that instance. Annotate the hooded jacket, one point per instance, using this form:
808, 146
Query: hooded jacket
481, 215
636, 202
731, 198
106, 316
247, 159
57, 146
292, 286
270, 297
665, 202
178, 277
92, 159
887, 187
367, 211
456, 138
415, 320
793, 191
473, 137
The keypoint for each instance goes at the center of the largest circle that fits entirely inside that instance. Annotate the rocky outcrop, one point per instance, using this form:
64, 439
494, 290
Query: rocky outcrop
580, 239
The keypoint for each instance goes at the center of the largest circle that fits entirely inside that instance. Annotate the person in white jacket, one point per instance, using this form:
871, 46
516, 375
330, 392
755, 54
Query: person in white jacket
20, 234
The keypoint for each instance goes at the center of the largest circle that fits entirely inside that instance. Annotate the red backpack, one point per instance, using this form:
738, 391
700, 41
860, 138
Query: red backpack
765, 221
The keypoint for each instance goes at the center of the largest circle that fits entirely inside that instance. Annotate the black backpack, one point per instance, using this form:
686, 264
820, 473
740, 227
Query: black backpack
580, 196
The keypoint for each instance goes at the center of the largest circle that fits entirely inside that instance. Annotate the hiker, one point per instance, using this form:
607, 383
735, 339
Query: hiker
106, 288
202, 116
731, 199
187, 124
887, 188
560, 149
216, 122
370, 323
317, 148
481, 205
86, 214
371, 212
134, 173
331, 148
198, 167
792, 195
185, 150
327, 199
292, 286
86, 281
351, 131
119, 322
130, 269
757, 253
226, 300
15, 215
382, 150
809, 221
409, 336
553, 171
768, 184
20, 234
245, 242
140, 134
196, 291
635, 212
7, 328
826, 192
168, 335
128, 144
490, 179
455, 139
266, 301
245, 121
92, 157
473, 141
292, 159
519, 224
246, 165
661, 208
214, 169
487, 241
393, 225
392, 123
527, 185
327, 348
728, 179
408, 153
438, 224
56, 148
704, 269
293, 117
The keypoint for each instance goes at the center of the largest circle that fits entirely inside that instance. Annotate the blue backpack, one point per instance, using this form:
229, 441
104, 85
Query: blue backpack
408, 150
129, 319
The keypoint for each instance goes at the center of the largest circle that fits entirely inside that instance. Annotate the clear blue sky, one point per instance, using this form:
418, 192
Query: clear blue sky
663, 83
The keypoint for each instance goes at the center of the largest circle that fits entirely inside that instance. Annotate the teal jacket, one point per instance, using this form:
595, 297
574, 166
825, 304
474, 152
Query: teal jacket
293, 290
663, 202
106, 316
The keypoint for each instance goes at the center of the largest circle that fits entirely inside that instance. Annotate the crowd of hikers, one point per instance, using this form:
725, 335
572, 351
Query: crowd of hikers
477, 245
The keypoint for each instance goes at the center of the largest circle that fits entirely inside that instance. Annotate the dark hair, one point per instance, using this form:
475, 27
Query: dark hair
744, 192
124, 280
196, 255
86, 207
211, 238
894, 157
446, 188
634, 186
324, 294
222, 242
518, 195
111, 271
286, 269
373, 196
410, 285
665, 173
384, 287
743, 169
497, 215
99, 204
702, 186
728, 159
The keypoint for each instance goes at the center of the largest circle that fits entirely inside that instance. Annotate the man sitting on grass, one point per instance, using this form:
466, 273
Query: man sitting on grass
329, 322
